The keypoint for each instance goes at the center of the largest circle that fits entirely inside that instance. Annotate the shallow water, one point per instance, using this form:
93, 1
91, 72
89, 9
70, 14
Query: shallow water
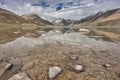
67, 38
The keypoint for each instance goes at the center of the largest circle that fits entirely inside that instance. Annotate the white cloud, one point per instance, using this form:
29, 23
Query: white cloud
73, 12
65, 14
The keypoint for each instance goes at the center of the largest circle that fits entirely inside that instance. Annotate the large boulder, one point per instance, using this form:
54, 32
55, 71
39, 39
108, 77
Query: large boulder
20, 76
54, 71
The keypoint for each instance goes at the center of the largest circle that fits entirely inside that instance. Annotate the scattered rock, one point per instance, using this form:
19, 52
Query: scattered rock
8, 67
17, 32
54, 71
20, 76
118, 74
40, 32
8, 73
28, 66
98, 37
2, 72
1, 60
106, 65
73, 57
79, 68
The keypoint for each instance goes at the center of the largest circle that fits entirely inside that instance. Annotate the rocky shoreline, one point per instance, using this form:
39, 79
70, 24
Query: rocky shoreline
58, 60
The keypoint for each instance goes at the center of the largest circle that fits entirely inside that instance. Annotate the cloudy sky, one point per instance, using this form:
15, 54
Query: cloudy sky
52, 9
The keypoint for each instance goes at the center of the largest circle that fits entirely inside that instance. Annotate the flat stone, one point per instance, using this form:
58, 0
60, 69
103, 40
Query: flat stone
20, 76
78, 68
54, 71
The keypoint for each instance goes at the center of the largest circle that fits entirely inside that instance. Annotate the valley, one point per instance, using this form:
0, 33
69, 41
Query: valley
35, 49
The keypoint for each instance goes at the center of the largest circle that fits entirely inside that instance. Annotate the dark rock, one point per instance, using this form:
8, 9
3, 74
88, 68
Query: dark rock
6, 74
106, 65
1, 60
8, 67
118, 74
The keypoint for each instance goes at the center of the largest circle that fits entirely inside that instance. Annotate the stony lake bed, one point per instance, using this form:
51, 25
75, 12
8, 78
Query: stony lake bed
54, 55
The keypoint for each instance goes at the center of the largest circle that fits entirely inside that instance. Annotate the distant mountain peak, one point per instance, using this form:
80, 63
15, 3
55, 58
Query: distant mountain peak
35, 19
62, 22
30, 16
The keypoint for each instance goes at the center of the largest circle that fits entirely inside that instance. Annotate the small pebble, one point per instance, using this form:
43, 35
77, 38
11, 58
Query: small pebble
79, 68
73, 57
106, 65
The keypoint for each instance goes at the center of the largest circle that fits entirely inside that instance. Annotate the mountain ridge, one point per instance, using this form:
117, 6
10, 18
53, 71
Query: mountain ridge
101, 18
34, 18
8, 17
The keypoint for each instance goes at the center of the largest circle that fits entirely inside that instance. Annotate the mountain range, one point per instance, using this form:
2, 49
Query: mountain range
62, 22
8, 17
111, 18
34, 18
54, 9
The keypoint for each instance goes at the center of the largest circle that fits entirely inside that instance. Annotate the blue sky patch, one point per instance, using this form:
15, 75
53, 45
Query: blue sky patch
43, 4
59, 6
